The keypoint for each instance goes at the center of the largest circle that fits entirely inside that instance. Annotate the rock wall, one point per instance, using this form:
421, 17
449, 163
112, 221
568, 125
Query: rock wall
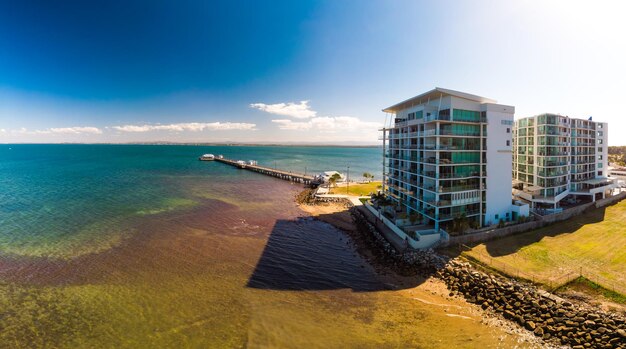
547, 316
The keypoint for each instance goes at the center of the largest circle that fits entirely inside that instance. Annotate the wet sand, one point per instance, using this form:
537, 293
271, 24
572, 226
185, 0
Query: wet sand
428, 291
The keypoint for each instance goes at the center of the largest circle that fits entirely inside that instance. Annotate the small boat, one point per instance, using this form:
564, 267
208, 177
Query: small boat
207, 157
220, 156
252, 163
241, 164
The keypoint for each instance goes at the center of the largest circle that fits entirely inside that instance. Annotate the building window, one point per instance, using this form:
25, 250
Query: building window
508, 143
599, 173
497, 216
466, 115
599, 149
508, 130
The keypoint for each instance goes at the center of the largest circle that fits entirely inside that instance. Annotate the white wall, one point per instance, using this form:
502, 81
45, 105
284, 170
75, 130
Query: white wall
499, 162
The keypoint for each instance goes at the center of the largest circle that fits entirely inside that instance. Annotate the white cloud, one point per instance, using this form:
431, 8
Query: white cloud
300, 110
191, 126
61, 130
76, 130
329, 124
2, 130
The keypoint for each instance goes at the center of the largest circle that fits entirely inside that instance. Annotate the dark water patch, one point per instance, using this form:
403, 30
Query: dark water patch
312, 255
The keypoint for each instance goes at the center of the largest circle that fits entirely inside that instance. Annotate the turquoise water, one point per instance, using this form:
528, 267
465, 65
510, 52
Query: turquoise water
69, 200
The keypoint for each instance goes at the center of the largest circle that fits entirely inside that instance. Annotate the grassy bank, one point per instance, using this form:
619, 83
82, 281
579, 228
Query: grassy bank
582, 284
361, 189
592, 244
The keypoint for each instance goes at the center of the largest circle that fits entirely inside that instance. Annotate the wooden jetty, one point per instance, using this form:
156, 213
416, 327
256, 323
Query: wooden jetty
289, 176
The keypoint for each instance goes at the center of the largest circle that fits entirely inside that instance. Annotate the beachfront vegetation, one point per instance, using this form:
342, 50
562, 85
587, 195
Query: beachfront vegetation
592, 244
333, 179
617, 155
361, 189
368, 176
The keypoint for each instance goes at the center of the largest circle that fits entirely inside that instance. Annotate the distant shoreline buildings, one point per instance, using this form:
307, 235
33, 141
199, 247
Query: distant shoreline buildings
451, 155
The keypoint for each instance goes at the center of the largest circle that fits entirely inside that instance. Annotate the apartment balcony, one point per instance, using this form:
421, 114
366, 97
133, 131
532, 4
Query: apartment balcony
556, 153
445, 147
403, 135
430, 118
439, 203
429, 133
431, 174
548, 175
460, 175
452, 215
456, 188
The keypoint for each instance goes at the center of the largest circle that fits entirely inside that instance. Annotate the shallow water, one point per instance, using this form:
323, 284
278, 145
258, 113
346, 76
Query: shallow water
144, 246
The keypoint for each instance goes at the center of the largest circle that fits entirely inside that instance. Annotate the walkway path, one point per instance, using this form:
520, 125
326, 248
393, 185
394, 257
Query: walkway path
392, 237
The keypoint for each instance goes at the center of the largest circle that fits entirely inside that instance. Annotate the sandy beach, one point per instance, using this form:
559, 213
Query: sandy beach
429, 290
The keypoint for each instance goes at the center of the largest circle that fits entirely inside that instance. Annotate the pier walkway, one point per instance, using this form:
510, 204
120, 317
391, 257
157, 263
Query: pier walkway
286, 175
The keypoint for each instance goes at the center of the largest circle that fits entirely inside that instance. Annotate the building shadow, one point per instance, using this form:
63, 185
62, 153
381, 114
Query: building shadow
309, 254
512, 244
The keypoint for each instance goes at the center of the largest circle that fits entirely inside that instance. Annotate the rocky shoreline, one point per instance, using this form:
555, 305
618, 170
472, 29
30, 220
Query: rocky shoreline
556, 321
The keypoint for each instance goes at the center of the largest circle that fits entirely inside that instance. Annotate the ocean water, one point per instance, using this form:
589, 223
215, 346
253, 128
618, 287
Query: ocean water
67, 200
137, 246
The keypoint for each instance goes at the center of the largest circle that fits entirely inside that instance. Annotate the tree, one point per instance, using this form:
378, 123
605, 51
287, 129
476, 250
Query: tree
460, 223
368, 176
381, 199
333, 179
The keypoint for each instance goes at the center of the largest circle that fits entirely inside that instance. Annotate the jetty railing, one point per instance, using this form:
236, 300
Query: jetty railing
285, 175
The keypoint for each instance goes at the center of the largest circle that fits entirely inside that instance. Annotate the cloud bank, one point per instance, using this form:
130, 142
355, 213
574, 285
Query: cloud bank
300, 110
61, 130
325, 124
191, 126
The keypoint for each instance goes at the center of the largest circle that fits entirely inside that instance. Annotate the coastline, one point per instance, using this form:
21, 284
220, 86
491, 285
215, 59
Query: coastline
430, 290
448, 288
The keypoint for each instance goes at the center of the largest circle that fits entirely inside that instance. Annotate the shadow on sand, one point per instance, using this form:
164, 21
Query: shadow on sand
308, 254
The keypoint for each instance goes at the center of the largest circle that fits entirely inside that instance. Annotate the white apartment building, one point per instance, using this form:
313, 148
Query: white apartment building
448, 154
556, 157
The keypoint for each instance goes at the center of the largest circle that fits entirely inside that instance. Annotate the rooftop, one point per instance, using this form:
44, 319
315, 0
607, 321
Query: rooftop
436, 93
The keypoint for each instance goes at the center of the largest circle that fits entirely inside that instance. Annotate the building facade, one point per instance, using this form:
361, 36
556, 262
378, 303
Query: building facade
556, 157
448, 155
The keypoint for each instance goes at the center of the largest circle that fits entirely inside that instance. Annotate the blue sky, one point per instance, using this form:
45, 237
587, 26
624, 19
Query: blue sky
293, 71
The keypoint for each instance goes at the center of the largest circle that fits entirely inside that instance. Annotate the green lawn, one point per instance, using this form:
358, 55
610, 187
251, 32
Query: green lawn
358, 189
593, 243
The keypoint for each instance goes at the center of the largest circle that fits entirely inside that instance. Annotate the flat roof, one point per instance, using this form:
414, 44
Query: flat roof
595, 181
435, 93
